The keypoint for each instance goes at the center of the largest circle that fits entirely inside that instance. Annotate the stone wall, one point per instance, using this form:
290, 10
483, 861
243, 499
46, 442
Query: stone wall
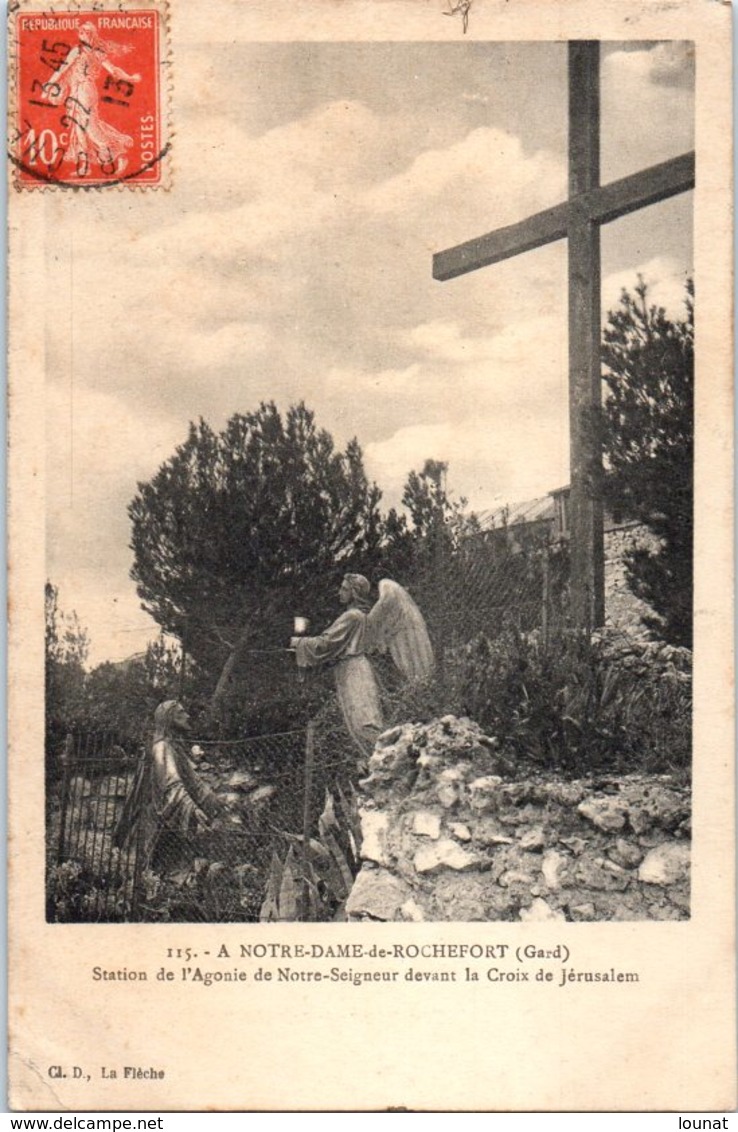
623, 610
448, 834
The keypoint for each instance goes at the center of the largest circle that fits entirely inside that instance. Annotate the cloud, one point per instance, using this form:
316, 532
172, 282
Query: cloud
230, 345
355, 383
289, 181
99, 447
317, 180
493, 406
445, 341
486, 172
664, 64
645, 118
666, 282
513, 456
92, 471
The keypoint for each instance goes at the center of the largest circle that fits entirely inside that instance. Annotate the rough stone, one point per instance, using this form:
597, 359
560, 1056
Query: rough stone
565, 793
460, 831
374, 829
412, 912
663, 912
483, 792
666, 864
487, 843
446, 854
583, 912
533, 839
463, 897
377, 895
623, 912
516, 793
262, 794
655, 806
427, 824
603, 813
592, 872
640, 821
520, 815
539, 912
625, 853
238, 780
488, 831
551, 867
450, 785
391, 760
680, 896
389, 738
429, 762
514, 877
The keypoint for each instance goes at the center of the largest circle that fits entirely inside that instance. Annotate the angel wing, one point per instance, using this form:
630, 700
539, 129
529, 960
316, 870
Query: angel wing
395, 624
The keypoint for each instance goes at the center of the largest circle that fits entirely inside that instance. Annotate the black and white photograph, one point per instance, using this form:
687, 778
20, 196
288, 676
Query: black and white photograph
369, 572
366, 499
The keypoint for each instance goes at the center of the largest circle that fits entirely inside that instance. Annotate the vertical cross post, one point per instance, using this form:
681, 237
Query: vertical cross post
585, 397
579, 218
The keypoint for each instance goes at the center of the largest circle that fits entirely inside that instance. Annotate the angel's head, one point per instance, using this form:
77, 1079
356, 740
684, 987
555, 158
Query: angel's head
355, 590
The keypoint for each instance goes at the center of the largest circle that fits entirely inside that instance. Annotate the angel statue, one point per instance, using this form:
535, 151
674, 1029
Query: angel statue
393, 624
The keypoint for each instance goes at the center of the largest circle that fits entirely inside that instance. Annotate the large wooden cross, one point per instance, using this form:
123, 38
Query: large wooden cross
579, 218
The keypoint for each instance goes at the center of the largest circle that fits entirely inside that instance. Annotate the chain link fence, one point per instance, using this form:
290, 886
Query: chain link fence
272, 788
275, 786
494, 581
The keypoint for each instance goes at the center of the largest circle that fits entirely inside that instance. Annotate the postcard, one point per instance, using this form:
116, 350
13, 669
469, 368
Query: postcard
370, 570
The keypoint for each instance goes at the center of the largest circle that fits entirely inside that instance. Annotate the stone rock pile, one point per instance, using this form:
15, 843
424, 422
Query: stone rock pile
449, 834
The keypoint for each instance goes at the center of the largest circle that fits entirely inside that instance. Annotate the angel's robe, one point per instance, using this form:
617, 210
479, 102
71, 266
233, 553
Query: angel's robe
342, 647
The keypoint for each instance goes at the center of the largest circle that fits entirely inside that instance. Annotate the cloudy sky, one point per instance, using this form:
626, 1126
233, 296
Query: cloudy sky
292, 260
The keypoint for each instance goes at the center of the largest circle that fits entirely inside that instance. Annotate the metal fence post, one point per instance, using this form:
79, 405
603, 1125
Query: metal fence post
66, 761
138, 851
307, 808
546, 598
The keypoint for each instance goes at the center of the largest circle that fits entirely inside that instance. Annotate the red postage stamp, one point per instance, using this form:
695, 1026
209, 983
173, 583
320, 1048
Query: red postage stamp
89, 98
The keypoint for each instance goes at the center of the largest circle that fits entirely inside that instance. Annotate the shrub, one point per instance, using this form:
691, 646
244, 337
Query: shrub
77, 892
576, 704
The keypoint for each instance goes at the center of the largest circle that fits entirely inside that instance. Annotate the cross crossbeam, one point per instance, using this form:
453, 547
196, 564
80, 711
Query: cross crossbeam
610, 202
578, 220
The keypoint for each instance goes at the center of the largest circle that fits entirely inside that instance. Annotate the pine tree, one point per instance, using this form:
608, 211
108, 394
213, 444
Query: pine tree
240, 530
649, 448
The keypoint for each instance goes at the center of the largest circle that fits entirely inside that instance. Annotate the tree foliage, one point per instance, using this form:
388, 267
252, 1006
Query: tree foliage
240, 530
66, 650
123, 696
112, 697
432, 528
649, 446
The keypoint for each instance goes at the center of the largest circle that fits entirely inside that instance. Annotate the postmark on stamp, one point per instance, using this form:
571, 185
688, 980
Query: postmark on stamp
89, 98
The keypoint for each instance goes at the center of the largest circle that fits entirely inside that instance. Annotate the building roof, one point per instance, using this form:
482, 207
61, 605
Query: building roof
515, 514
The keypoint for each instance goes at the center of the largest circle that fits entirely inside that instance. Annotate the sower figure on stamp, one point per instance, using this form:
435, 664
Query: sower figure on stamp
74, 86
394, 624
168, 804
